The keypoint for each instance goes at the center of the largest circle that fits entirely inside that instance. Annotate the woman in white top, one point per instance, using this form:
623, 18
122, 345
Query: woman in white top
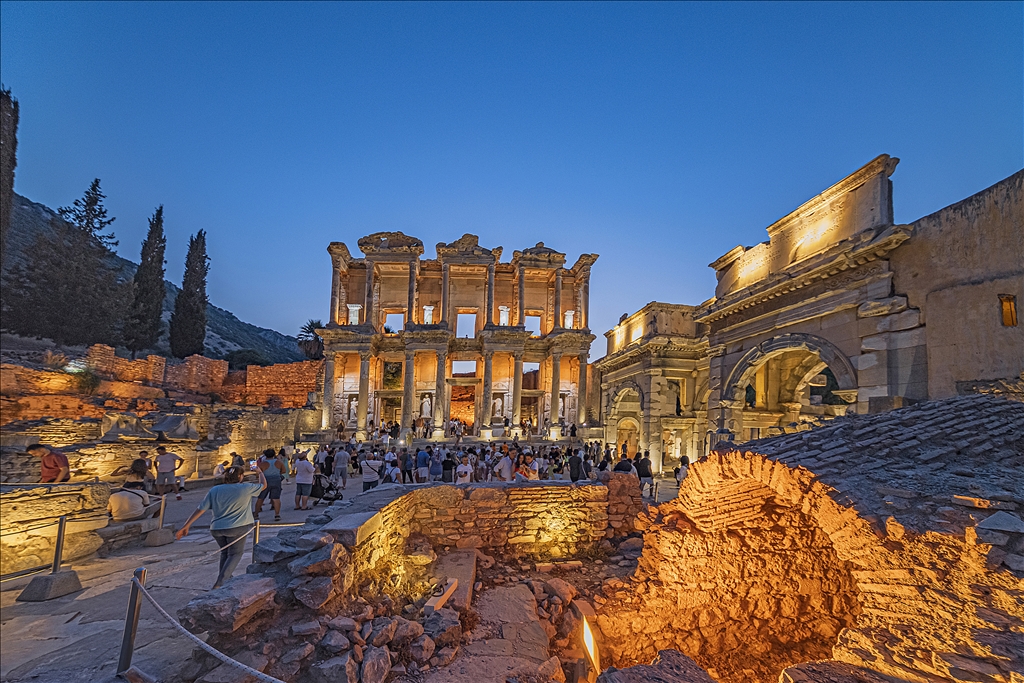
303, 480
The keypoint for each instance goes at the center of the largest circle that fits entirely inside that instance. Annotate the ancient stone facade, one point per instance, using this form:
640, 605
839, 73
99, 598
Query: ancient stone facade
654, 384
842, 309
401, 327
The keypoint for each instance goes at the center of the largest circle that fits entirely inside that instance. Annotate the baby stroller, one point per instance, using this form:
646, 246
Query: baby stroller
324, 489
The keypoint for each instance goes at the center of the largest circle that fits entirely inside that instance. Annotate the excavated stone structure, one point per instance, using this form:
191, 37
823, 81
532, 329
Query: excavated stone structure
887, 545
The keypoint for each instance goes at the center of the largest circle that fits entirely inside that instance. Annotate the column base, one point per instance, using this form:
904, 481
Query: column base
517, 433
360, 435
437, 434
555, 432
486, 433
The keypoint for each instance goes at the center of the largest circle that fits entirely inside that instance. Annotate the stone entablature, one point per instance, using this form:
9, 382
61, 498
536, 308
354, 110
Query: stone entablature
654, 384
842, 310
430, 296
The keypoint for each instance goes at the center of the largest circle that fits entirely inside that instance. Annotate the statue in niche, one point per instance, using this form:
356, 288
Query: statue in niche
353, 402
425, 406
497, 407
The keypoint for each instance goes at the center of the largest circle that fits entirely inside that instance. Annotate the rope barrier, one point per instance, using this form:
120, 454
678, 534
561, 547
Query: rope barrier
258, 675
24, 572
31, 528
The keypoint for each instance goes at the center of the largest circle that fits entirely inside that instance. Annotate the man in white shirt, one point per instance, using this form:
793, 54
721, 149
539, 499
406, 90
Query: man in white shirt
464, 471
127, 505
371, 471
504, 468
304, 471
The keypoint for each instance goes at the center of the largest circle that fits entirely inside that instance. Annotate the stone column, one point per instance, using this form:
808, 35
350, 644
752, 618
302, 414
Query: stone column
364, 395
439, 395
489, 298
581, 392
414, 271
327, 397
558, 298
517, 388
585, 310
333, 318
368, 303
521, 298
485, 420
556, 383
408, 385
444, 292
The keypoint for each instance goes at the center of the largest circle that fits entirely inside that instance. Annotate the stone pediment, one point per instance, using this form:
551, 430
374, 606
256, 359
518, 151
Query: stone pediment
467, 247
539, 256
387, 243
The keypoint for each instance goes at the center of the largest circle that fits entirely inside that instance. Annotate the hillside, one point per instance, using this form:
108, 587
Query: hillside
224, 331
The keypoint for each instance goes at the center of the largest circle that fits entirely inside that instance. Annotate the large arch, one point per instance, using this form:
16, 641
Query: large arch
827, 352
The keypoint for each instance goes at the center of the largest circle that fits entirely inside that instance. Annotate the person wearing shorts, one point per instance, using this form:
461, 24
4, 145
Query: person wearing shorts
341, 464
167, 465
274, 470
304, 471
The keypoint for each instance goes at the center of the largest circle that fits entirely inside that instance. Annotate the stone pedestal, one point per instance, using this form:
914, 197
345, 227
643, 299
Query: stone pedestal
158, 537
50, 586
555, 432
486, 433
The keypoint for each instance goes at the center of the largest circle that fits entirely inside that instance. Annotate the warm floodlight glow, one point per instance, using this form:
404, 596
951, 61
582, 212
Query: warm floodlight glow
591, 645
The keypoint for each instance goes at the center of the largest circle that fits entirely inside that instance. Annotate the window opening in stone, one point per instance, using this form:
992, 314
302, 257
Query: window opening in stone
394, 323
465, 325
353, 313
1008, 305
463, 368
533, 325
531, 376
392, 379
750, 396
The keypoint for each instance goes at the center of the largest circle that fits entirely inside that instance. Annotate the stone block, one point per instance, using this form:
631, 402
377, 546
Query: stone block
316, 593
443, 627
343, 669
352, 529
376, 665
49, 586
1003, 521
422, 649
273, 550
227, 608
1014, 562
335, 642
326, 561
158, 537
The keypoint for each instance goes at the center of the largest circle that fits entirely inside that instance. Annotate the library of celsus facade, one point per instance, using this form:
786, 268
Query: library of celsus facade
465, 336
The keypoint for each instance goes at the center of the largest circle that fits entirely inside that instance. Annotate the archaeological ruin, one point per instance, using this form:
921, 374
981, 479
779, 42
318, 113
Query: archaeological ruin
464, 336
840, 310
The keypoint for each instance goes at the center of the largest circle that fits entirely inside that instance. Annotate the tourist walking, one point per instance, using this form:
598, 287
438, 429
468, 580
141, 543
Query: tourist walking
408, 465
643, 470
575, 467
274, 471
372, 468
341, 464
231, 506
304, 472
53, 464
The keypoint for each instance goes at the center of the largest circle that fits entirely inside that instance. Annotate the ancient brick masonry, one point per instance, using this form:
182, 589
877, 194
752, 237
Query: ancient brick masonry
899, 552
287, 385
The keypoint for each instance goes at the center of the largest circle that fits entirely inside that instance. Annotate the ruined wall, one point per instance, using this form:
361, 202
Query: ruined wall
28, 512
760, 565
958, 262
107, 461
197, 374
58, 432
248, 430
104, 361
285, 385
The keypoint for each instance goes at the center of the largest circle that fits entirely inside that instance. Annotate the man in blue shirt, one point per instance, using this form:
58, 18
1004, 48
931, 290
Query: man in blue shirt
422, 466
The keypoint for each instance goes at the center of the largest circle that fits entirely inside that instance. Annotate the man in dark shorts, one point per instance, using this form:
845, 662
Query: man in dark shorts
274, 470
575, 467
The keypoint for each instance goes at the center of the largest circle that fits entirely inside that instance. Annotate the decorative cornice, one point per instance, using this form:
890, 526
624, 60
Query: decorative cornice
856, 251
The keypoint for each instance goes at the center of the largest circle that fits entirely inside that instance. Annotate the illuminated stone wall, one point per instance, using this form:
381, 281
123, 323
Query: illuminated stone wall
285, 385
27, 511
884, 555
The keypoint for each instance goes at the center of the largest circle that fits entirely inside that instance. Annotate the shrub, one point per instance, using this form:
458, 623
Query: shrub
87, 382
55, 360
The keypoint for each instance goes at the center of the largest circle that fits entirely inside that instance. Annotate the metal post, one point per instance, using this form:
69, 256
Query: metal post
131, 623
256, 533
163, 506
58, 547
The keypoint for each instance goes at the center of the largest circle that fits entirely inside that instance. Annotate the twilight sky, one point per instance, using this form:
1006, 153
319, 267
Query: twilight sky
656, 135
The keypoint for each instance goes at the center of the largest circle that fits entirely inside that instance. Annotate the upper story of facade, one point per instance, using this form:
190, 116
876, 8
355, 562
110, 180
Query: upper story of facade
465, 292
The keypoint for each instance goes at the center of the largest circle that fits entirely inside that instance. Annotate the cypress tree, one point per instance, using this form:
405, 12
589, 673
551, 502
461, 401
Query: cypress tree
89, 214
142, 329
188, 321
8, 161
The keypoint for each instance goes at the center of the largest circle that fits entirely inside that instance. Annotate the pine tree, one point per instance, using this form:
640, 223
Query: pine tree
188, 321
89, 214
142, 329
8, 161
69, 291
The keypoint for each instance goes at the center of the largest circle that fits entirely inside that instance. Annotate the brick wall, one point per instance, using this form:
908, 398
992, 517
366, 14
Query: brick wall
287, 385
197, 374
104, 361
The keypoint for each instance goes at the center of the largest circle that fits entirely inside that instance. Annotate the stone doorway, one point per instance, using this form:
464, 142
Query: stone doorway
628, 432
391, 409
529, 411
463, 404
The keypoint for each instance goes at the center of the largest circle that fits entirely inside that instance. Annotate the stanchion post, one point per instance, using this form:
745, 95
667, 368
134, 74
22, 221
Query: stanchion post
256, 533
163, 506
131, 622
58, 546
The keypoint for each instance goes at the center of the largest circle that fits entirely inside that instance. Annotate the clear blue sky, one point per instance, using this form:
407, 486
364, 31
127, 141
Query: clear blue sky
657, 135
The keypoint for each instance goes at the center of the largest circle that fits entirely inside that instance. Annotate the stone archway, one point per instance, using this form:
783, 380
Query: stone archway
826, 351
627, 431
